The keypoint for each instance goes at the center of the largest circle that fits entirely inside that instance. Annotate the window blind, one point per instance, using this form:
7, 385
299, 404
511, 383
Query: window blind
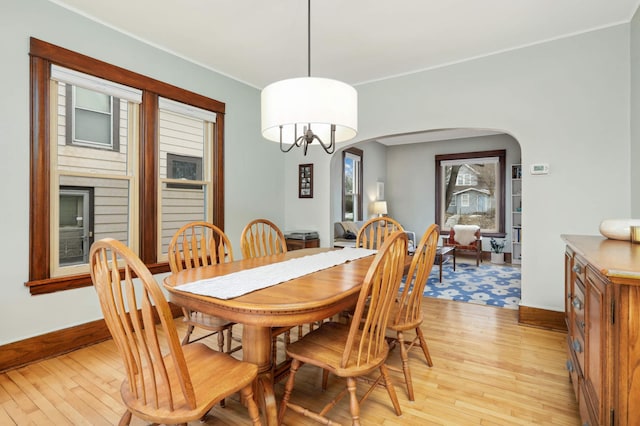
188, 110
76, 78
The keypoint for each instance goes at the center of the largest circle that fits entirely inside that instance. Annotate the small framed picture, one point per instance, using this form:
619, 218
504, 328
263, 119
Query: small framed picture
305, 181
379, 191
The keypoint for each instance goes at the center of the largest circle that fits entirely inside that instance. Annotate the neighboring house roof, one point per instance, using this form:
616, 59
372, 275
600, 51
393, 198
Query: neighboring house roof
471, 169
483, 191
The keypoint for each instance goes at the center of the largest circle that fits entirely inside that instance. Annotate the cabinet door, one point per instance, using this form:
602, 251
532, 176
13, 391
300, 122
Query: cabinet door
627, 356
597, 315
568, 291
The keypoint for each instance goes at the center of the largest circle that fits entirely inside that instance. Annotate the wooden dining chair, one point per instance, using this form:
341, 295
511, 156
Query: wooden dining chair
407, 311
165, 382
194, 245
360, 348
374, 231
261, 237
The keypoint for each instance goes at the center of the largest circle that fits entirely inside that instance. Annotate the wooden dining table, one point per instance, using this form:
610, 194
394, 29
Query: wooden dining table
302, 300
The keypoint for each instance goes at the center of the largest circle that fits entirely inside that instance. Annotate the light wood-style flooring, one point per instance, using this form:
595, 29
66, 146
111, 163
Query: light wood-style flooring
488, 370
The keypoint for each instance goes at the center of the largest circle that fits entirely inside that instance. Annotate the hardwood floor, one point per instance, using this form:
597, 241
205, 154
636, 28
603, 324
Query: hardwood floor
488, 370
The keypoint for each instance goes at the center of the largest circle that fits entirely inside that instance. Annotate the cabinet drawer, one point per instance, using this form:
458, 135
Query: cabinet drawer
577, 306
576, 343
572, 367
579, 267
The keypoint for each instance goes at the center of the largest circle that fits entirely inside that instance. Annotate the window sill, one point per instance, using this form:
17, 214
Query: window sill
52, 285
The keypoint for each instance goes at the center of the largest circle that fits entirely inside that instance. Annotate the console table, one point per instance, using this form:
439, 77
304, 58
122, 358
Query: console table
294, 244
443, 254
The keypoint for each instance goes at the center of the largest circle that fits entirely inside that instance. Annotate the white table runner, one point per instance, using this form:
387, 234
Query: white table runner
243, 282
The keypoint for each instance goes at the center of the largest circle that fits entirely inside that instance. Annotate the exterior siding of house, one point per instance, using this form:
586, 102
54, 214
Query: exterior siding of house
178, 134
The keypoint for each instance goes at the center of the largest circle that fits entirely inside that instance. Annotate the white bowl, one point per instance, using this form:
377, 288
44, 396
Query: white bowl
618, 229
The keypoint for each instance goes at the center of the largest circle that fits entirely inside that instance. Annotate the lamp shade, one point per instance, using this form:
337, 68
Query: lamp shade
297, 103
380, 207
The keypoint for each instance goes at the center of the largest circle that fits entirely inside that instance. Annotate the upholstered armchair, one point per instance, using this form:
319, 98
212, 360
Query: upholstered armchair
466, 238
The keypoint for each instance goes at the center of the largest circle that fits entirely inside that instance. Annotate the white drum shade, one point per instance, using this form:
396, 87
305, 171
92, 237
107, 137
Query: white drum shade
319, 102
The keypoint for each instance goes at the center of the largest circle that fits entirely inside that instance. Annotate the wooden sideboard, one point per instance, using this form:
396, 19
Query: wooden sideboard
602, 311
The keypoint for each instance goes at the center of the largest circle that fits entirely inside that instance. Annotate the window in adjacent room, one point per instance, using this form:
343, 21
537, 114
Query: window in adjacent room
352, 184
114, 154
470, 190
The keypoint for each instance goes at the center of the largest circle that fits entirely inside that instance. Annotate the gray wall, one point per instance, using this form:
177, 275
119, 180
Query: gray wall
254, 169
566, 103
634, 156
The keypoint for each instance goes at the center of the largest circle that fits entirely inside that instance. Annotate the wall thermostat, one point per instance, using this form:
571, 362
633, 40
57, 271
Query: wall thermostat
539, 169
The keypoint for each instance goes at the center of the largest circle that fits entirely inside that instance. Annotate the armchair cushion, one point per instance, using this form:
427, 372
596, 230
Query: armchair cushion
464, 235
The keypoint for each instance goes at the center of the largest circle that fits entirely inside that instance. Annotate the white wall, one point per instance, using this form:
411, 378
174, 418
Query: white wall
254, 170
634, 155
566, 102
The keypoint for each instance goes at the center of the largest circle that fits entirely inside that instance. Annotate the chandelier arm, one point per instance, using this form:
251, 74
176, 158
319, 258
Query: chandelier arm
287, 149
328, 148
283, 149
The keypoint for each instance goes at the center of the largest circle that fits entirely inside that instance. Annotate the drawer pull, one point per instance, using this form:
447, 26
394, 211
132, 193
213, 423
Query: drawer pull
577, 303
577, 346
577, 269
570, 366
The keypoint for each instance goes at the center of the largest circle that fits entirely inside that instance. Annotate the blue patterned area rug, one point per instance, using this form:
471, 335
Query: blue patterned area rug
486, 284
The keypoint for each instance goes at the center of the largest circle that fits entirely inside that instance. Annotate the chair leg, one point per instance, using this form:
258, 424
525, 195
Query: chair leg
423, 345
185, 340
325, 379
354, 405
220, 341
390, 389
274, 353
404, 356
125, 420
295, 365
229, 337
252, 407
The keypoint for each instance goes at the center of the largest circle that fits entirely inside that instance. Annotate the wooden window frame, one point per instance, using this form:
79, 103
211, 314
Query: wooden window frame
358, 215
42, 56
501, 154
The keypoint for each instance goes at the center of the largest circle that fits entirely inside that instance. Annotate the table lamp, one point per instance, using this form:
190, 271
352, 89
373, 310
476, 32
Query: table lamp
380, 208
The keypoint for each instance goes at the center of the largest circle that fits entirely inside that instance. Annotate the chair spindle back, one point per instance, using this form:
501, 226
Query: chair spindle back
199, 244
366, 340
261, 237
130, 314
375, 231
421, 264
